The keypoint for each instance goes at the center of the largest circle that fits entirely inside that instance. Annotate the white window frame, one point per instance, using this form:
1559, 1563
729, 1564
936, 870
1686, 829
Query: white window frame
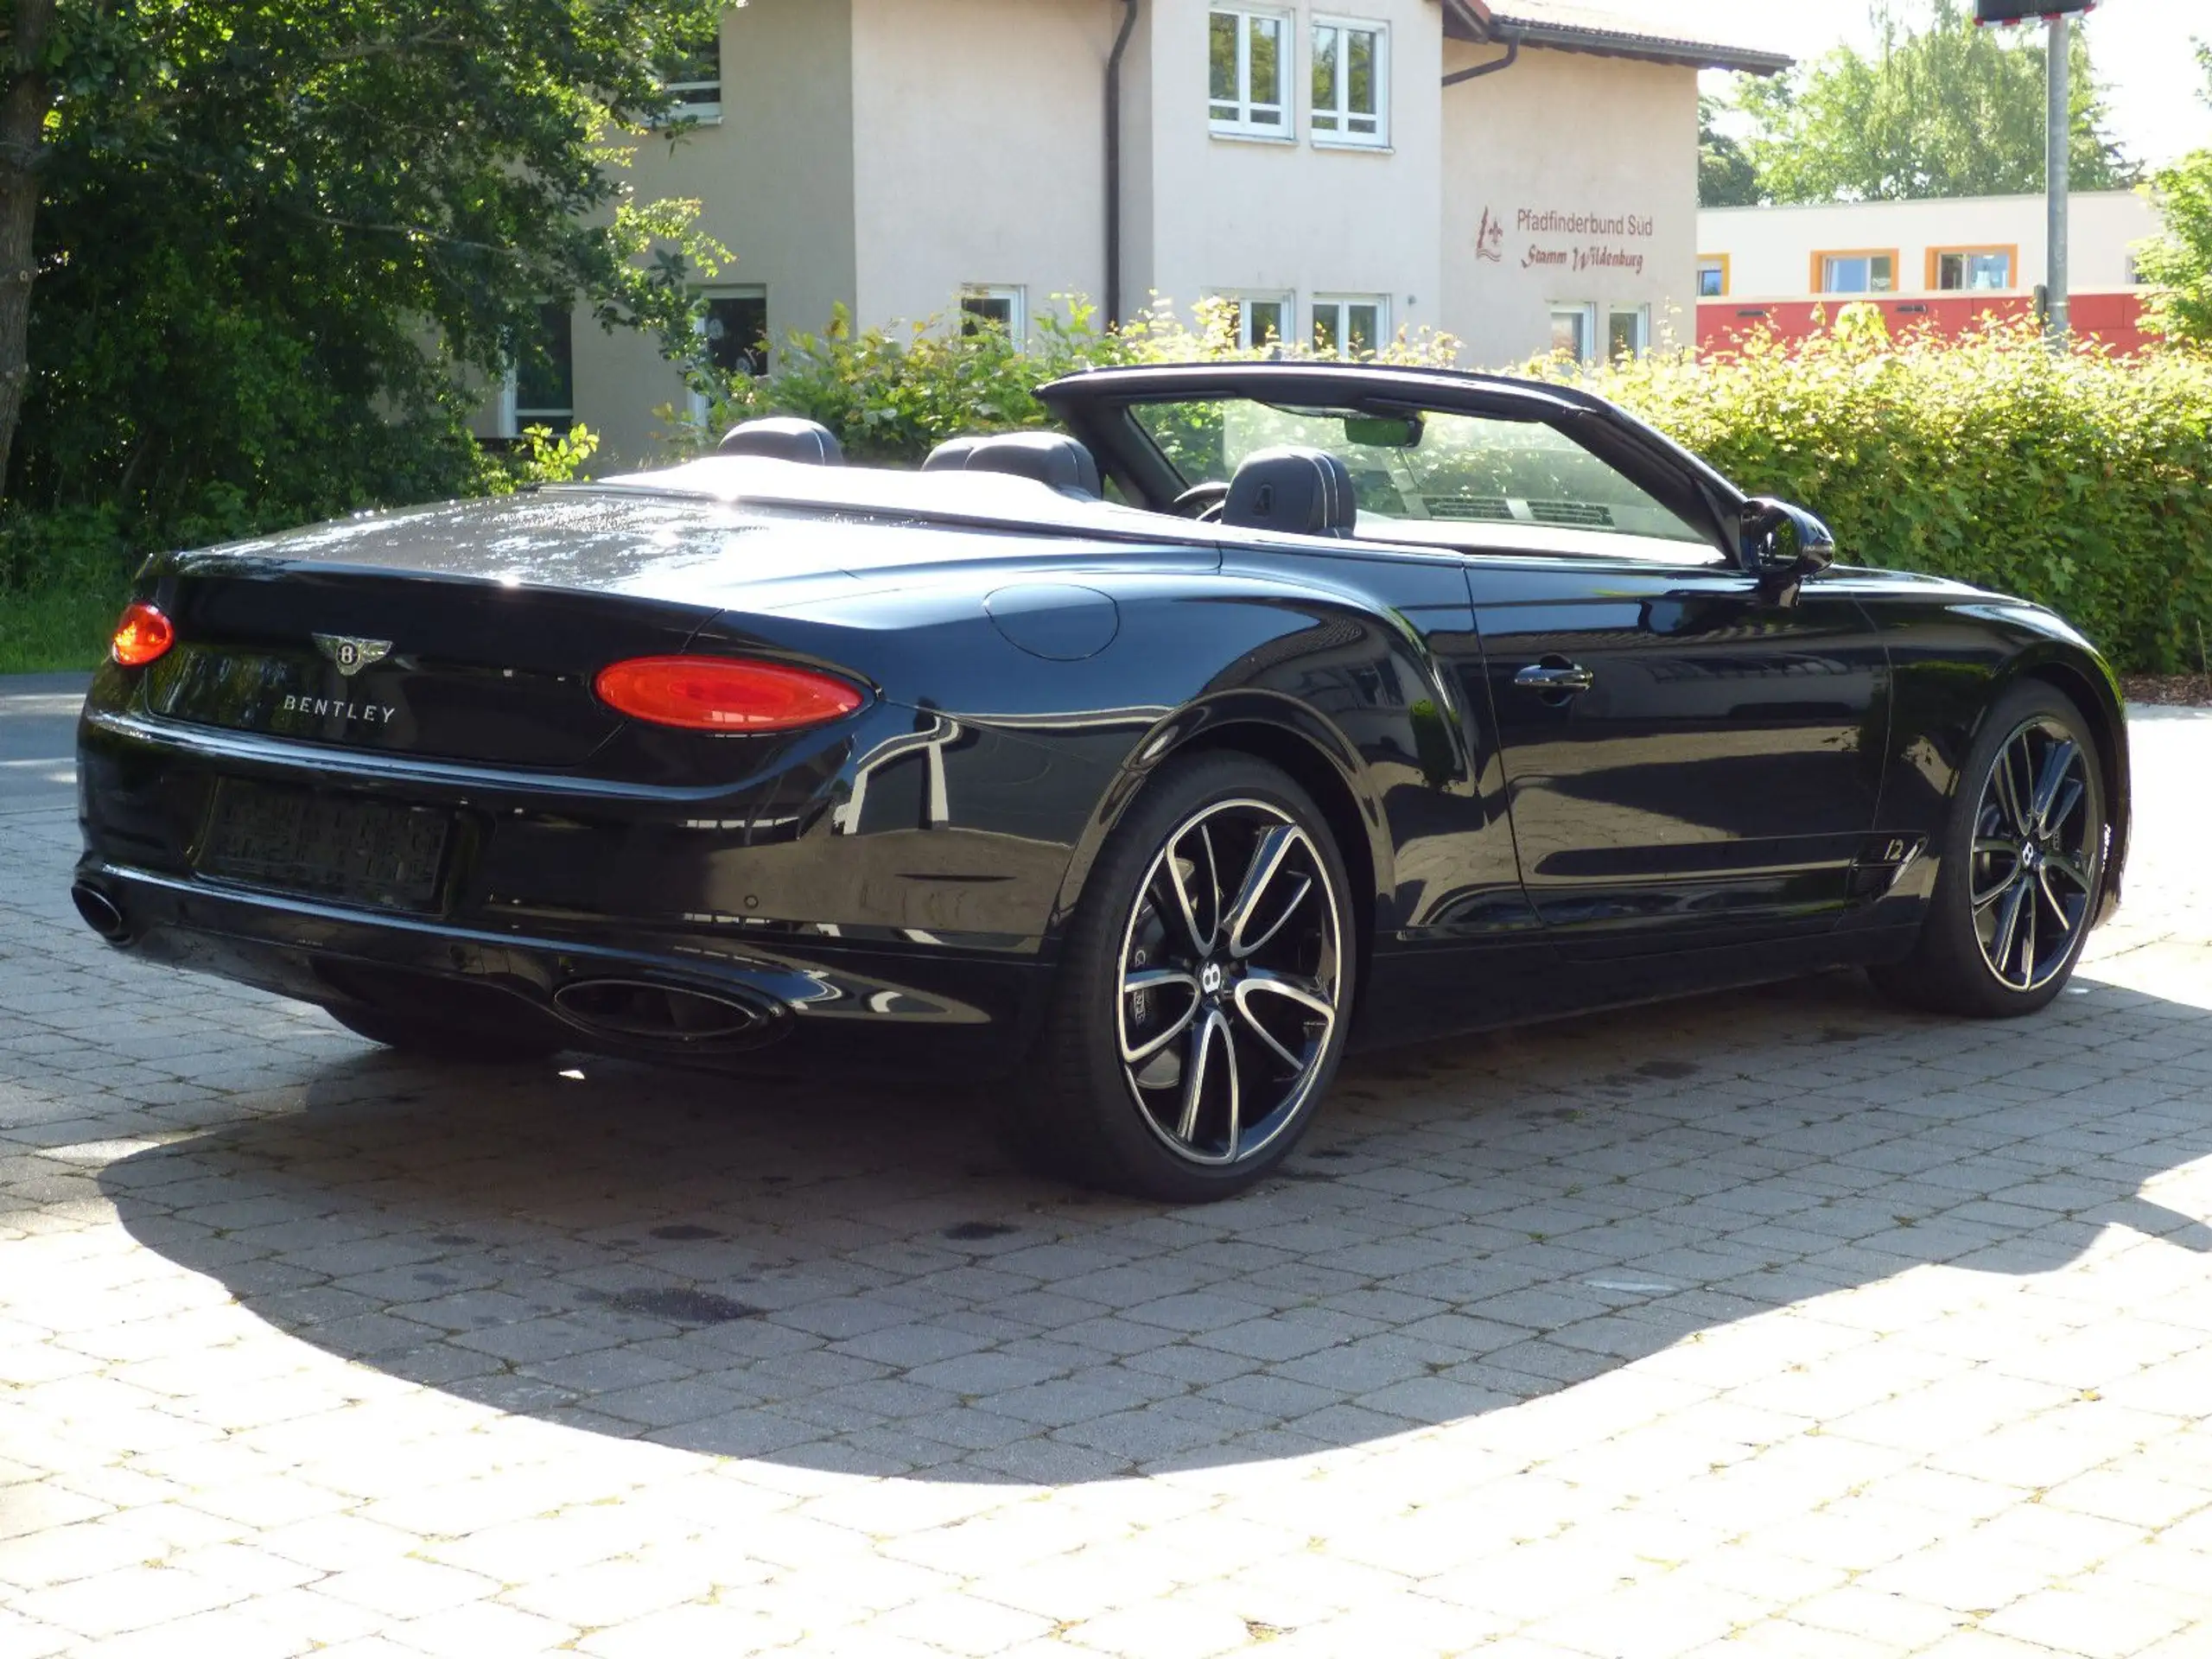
1339, 303
1588, 312
737, 291
1241, 124
1245, 298
513, 417
700, 100
1831, 262
1013, 296
1641, 315
1340, 135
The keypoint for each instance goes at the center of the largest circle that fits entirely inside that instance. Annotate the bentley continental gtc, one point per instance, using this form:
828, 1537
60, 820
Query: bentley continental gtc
1262, 710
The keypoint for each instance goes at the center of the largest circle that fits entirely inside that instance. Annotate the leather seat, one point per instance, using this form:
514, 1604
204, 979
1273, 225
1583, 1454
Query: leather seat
1299, 491
781, 437
1047, 457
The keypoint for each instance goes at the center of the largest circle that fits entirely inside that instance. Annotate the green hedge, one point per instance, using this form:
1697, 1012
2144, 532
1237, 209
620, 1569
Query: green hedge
2076, 479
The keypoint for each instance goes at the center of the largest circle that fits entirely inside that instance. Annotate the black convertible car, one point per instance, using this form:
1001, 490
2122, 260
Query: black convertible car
1283, 705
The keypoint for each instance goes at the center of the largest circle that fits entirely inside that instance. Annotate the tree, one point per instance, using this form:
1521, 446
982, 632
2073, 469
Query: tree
272, 238
1947, 110
1726, 177
2177, 265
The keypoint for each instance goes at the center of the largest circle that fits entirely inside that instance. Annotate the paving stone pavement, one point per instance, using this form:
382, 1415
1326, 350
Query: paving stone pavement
1778, 1323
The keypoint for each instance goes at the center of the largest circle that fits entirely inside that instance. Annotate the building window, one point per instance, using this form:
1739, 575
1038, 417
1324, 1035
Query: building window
1351, 82
986, 305
735, 328
1574, 330
542, 386
1628, 331
1251, 81
1712, 275
1258, 320
1971, 271
695, 79
1350, 325
1856, 272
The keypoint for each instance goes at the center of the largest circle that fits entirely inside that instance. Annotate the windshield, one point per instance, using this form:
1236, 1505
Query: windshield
1452, 467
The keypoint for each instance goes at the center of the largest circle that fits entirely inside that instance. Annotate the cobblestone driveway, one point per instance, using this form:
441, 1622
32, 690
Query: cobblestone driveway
1772, 1323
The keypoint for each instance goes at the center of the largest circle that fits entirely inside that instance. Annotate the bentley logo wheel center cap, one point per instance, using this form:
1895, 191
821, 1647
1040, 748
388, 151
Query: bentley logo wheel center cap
1210, 979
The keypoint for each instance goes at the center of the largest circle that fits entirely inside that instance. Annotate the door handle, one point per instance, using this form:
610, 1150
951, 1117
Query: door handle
1556, 677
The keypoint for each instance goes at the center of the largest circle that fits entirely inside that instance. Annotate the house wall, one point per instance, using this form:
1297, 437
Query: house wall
775, 178
1771, 249
1212, 213
1565, 134
980, 151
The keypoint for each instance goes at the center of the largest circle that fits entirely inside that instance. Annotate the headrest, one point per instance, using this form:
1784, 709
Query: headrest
1045, 456
1299, 491
781, 437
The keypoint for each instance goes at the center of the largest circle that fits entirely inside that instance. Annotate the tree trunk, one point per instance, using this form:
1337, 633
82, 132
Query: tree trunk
24, 100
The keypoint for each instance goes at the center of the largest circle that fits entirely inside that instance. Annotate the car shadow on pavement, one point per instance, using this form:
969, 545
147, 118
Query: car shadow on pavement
857, 1279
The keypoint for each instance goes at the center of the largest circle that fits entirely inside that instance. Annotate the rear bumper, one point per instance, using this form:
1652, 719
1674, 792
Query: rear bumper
853, 1008
759, 894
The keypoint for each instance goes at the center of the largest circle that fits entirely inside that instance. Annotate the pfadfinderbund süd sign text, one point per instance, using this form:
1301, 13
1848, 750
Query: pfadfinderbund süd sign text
1601, 248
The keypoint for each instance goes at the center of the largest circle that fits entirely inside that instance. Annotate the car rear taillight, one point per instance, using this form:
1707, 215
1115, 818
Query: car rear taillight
725, 694
142, 634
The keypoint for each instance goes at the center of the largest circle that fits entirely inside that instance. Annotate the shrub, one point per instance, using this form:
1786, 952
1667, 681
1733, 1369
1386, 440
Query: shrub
892, 395
2073, 478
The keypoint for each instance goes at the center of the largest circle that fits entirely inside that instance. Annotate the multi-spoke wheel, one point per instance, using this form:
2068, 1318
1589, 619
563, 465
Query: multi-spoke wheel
1204, 1002
2017, 890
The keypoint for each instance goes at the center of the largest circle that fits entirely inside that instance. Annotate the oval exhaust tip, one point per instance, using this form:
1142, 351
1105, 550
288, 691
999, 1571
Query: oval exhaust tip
101, 913
639, 1011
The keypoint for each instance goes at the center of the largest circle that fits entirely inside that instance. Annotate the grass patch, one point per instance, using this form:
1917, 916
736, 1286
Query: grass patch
60, 627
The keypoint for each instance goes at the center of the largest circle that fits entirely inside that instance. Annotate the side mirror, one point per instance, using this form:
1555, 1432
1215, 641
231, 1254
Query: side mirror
1782, 545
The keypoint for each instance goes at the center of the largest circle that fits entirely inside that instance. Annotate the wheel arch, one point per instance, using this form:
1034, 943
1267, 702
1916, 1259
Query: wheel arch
2090, 688
1296, 740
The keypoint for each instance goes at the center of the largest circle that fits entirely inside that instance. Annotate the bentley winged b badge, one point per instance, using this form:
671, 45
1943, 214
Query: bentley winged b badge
351, 655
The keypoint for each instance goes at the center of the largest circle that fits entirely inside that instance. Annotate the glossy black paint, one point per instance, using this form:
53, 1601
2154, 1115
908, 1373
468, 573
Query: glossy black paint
1747, 787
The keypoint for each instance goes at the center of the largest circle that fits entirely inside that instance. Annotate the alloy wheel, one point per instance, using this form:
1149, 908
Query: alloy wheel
1231, 971
2037, 843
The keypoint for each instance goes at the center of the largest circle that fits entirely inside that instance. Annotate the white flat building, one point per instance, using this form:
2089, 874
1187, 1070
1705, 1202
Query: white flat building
1521, 174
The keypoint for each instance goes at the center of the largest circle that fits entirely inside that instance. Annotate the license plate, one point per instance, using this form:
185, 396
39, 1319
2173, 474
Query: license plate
327, 847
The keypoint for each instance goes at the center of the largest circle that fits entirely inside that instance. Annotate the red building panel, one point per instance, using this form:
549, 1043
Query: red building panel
2115, 318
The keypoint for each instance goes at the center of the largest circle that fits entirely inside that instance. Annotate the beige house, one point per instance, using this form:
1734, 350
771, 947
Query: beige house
1521, 174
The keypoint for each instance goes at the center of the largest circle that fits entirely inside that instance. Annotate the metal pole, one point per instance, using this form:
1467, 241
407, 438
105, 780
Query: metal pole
2054, 172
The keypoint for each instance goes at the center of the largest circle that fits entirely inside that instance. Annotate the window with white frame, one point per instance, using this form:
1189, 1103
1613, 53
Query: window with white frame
733, 337
1350, 325
1259, 320
993, 305
1351, 82
1628, 331
1249, 70
695, 79
1574, 329
541, 388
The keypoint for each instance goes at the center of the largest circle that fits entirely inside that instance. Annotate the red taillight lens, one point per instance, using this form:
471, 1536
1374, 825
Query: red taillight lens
142, 634
725, 694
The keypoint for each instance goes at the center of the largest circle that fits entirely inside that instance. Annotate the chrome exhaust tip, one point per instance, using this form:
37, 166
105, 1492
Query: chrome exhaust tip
640, 1011
101, 913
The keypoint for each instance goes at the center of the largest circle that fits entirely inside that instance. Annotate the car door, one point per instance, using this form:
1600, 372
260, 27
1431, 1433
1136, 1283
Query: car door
1690, 760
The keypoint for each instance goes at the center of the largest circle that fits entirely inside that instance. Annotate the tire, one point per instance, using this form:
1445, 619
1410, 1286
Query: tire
1247, 973
2020, 868
410, 1034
